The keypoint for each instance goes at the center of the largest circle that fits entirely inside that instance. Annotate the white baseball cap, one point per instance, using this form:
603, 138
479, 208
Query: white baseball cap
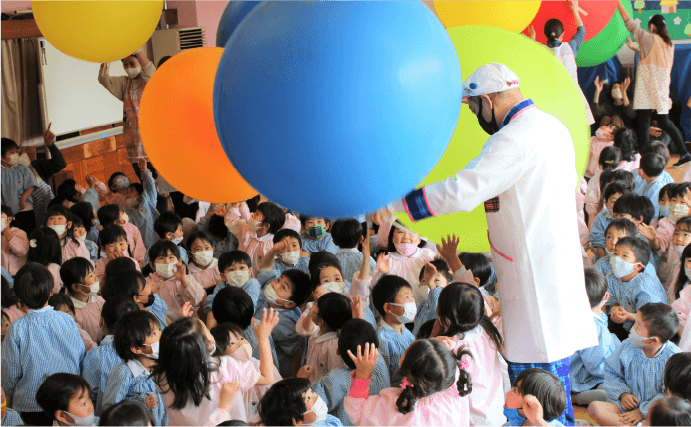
489, 78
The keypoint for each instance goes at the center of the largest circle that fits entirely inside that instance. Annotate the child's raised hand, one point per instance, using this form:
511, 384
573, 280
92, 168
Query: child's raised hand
187, 309
228, 392
280, 247
647, 231
318, 293
599, 85
180, 272
430, 272
151, 401
629, 401
357, 308
364, 360
531, 32
48, 136
631, 418
383, 264
448, 247
268, 323
305, 372
90, 180
533, 410
142, 165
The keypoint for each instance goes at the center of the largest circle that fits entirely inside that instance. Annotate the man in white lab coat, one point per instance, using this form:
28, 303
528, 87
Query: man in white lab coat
526, 177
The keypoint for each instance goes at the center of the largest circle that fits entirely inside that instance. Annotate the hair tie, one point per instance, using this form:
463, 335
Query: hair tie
554, 34
464, 364
32, 243
405, 384
609, 162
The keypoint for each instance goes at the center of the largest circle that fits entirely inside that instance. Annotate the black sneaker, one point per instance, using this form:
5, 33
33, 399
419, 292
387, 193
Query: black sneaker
683, 160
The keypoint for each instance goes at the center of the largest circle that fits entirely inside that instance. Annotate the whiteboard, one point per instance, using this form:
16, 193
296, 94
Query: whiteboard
74, 100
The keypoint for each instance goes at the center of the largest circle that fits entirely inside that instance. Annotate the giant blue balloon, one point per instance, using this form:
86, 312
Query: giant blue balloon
233, 14
337, 108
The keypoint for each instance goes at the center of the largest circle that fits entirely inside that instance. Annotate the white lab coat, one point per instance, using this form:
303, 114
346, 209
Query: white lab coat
530, 165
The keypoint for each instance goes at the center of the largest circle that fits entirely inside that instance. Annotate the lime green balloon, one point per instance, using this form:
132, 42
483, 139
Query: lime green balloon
543, 79
606, 44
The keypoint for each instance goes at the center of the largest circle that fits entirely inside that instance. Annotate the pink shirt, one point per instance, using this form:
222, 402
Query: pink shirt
172, 293
88, 342
665, 232
72, 249
445, 408
593, 194
322, 355
88, 315
630, 166
668, 256
13, 313
14, 251
207, 277
57, 281
292, 223
687, 175
248, 242
255, 394
135, 242
685, 342
596, 147
672, 280
229, 370
101, 265
110, 198
580, 199
407, 268
487, 397
683, 306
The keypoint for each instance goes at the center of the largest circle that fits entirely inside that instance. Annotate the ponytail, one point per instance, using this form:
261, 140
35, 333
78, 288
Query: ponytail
464, 385
553, 29
661, 26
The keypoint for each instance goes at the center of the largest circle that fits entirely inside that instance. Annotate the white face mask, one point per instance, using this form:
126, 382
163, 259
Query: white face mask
601, 134
424, 290
409, 312
93, 290
86, 421
14, 160
679, 211
616, 93
60, 229
620, 267
133, 72
290, 257
338, 287
637, 340
132, 202
271, 295
320, 410
254, 224
687, 271
154, 349
204, 257
166, 270
81, 238
242, 353
4, 224
238, 278
177, 240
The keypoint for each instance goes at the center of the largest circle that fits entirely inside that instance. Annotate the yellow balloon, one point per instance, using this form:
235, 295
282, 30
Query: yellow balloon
509, 15
97, 31
543, 79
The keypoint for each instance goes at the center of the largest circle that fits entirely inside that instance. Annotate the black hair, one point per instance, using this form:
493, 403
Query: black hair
61, 300
73, 271
547, 389
666, 190
125, 282
479, 265
430, 367
167, 222
184, 365
652, 164
639, 247
390, 245
609, 176
7, 145
163, 61
677, 377
354, 333
595, 285
623, 224
462, 308
108, 214
636, 206
233, 423
681, 189
85, 212
670, 411
131, 330
161, 248
68, 190
273, 215
221, 333
8, 298
657, 147
233, 305
33, 284
138, 187
119, 264
681, 280
386, 289
198, 234
346, 233
283, 403
7, 211
57, 390
684, 223
615, 187
318, 262
287, 232
610, 158
305, 218
128, 412
553, 29
301, 285
425, 330
115, 308
48, 249
111, 233
625, 140
114, 176
217, 227
661, 25
5, 315
442, 268
77, 222
334, 310
60, 210
227, 259
661, 319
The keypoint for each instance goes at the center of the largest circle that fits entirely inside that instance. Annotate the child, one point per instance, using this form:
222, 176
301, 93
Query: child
113, 243
657, 147
61, 302
587, 370
433, 391
256, 237
617, 229
669, 411
10, 303
347, 235
291, 402
214, 224
613, 192
629, 286
680, 240
41, 336
316, 237
65, 398
99, 362
393, 298
230, 341
638, 209
10, 417
190, 379
136, 341
60, 220
112, 214
141, 205
127, 412
203, 265
18, 183
15, 244
434, 277
677, 378
539, 396
625, 140
86, 212
45, 249
168, 226
330, 312
461, 315
609, 161
663, 203
82, 285
652, 166
604, 137
79, 233
287, 255
634, 372
171, 281
680, 295
5, 324
131, 283
236, 267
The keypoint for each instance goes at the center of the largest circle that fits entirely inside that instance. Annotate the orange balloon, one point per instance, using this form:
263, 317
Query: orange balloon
176, 122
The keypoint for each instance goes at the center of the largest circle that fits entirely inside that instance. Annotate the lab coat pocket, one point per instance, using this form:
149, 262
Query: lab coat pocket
505, 268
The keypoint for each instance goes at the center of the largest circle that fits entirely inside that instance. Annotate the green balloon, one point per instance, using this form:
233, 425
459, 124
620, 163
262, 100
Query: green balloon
606, 44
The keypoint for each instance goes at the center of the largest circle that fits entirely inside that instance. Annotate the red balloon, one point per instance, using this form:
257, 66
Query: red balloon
599, 15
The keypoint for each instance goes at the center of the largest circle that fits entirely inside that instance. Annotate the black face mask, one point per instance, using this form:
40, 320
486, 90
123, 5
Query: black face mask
150, 301
489, 127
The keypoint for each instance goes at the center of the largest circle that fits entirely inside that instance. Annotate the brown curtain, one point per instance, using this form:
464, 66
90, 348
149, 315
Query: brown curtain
21, 112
